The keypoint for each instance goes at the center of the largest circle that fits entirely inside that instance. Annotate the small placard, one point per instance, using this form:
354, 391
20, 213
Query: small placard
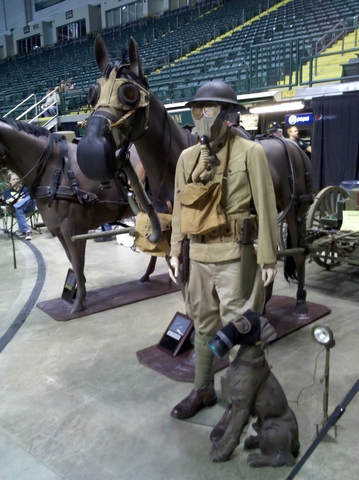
350, 220
176, 338
69, 291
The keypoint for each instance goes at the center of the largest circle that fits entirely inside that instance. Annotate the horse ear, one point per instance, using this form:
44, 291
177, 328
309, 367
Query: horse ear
135, 62
101, 54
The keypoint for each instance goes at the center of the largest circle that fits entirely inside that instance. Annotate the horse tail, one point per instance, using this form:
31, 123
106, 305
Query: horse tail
290, 268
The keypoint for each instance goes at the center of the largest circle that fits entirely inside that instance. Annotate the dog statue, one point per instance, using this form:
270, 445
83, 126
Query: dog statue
256, 392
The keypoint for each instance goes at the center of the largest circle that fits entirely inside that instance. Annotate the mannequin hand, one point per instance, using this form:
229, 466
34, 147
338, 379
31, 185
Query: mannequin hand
269, 271
202, 164
173, 271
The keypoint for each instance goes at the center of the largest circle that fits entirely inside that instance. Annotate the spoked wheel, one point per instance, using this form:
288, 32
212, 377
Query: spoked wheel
323, 215
282, 234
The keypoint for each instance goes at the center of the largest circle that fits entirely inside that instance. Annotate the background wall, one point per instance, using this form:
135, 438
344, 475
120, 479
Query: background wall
13, 12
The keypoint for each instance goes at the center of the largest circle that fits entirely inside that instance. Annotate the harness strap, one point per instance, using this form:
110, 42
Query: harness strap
122, 119
63, 160
72, 179
57, 175
65, 193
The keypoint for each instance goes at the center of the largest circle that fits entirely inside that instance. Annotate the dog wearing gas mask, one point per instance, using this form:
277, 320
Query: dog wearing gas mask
256, 392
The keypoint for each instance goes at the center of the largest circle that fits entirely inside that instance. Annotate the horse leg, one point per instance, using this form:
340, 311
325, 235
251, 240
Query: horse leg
76, 254
295, 266
150, 269
301, 306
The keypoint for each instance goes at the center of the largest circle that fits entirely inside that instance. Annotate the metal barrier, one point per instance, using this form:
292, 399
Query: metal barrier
301, 61
50, 123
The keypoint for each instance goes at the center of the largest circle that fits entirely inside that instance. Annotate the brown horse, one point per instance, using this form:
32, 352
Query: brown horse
69, 203
124, 104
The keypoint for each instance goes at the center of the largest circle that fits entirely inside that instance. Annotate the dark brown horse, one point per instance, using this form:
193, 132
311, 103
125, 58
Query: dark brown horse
124, 104
69, 203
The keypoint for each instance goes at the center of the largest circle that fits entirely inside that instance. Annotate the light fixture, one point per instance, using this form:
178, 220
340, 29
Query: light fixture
323, 335
280, 107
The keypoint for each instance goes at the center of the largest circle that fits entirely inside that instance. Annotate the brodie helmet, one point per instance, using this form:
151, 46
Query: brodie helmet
215, 91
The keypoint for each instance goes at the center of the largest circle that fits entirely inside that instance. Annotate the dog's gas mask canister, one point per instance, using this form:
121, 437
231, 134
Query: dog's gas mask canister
251, 328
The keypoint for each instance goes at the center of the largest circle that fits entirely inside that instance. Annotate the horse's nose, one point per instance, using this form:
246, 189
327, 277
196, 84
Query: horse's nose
96, 151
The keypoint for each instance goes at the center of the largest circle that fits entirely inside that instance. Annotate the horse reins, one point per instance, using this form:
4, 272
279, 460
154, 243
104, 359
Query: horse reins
45, 155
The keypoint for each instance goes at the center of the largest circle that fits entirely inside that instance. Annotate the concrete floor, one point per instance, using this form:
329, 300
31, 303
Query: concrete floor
76, 404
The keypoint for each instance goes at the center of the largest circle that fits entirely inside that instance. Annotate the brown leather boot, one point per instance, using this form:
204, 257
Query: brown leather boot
195, 401
221, 427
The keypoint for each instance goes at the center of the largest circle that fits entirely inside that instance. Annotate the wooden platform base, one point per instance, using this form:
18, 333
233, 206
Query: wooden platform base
110, 297
279, 314
178, 368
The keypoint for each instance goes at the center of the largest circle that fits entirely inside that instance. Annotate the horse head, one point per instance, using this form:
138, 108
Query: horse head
120, 99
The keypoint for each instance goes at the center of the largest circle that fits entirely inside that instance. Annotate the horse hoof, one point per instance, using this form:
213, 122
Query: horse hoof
144, 279
77, 308
301, 309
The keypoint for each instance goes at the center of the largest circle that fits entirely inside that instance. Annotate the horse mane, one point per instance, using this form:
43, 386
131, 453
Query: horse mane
30, 129
111, 65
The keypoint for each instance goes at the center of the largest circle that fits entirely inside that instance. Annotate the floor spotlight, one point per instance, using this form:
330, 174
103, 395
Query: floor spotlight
323, 335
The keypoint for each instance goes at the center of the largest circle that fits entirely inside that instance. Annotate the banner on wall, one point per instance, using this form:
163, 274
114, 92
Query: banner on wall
298, 119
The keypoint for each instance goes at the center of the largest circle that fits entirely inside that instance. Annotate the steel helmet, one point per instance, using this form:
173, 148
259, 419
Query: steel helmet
215, 91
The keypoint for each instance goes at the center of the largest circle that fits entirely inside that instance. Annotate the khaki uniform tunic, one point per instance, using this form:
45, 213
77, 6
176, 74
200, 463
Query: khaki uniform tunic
246, 178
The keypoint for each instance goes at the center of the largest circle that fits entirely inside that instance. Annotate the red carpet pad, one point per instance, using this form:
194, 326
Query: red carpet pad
110, 297
279, 314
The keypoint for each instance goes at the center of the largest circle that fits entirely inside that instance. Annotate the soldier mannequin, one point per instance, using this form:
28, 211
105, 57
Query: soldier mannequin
213, 292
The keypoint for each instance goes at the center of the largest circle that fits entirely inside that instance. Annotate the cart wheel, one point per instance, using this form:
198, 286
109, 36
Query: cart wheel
325, 206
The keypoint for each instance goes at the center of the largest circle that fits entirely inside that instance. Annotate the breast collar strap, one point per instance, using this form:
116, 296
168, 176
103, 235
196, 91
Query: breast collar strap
63, 160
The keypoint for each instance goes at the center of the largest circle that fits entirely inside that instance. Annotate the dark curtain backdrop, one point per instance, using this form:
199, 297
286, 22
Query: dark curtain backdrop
335, 142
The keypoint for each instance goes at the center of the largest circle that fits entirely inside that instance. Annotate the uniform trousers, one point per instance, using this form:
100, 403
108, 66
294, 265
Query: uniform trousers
213, 299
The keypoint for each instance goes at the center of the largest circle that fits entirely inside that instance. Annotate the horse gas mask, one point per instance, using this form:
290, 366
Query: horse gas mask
117, 93
110, 97
114, 95
210, 119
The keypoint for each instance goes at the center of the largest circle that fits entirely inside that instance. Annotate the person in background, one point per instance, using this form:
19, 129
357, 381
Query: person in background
18, 197
62, 87
275, 129
293, 134
50, 110
69, 84
105, 228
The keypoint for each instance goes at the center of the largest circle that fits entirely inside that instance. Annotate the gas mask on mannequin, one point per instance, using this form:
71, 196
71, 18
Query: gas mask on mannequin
210, 119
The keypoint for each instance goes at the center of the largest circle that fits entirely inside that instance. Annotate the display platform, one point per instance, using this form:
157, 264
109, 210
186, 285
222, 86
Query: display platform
279, 314
180, 367
110, 297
